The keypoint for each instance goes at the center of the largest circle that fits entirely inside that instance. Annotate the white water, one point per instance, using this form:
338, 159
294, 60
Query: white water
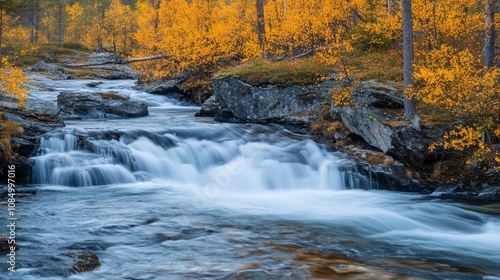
170, 196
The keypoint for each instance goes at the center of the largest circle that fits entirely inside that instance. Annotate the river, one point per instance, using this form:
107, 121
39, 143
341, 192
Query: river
171, 196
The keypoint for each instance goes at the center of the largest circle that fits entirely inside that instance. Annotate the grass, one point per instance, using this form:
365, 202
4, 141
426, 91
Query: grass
51, 52
386, 65
281, 73
434, 116
8, 129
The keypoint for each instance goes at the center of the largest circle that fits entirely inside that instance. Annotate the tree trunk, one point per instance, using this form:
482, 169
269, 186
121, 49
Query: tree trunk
434, 24
408, 57
60, 23
1, 37
261, 27
489, 36
34, 20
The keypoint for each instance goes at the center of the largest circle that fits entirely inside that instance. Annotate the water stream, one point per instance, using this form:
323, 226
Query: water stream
170, 196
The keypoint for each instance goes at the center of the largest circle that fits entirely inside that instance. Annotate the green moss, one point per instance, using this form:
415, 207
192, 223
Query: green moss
281, 73
29, 60
55, 49
382, 65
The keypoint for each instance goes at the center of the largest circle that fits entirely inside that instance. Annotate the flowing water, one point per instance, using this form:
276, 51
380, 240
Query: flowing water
170, 196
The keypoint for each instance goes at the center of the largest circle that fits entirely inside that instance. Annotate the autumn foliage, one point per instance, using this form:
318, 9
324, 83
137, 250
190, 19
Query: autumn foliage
199, 37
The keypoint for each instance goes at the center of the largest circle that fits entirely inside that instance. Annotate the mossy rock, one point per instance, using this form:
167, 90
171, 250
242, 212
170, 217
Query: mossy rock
83, 261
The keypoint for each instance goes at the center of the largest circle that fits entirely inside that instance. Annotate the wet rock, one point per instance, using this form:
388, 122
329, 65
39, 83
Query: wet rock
93, 84
209, 108
364, 123
36, 118
225, 115
169, 87
270, 103
5, 247
83, 261
377, 95
89, 105
299, 120
394, 136
185, 234
483, 193
90, 245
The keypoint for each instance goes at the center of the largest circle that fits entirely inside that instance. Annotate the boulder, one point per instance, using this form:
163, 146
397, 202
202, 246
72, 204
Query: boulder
394, 136
225, 115
270, 103
377, 95
91, 105
82, 261
94, 84
170, 87
104, 57
37, 117
114, 72
55, 71
209, 108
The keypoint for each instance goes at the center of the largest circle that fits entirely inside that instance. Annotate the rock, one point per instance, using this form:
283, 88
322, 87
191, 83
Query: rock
484, 193
399, 139
362, 122
114, 72
299, 120
55, 71
383, 170
209, 108
104, 57
37, 118
225, 115
42, 108
93, 84
41, 66
83, 261
377, 95
170, 87
270, 103
335, 113
89, 105
5, 247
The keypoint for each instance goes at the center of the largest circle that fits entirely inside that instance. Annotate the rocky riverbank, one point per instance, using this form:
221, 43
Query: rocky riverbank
394, 153
38, 117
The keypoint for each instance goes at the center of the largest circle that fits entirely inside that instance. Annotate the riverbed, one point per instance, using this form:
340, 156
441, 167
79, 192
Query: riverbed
171, 196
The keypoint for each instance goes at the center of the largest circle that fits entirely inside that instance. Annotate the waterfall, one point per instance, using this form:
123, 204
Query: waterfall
238, 161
